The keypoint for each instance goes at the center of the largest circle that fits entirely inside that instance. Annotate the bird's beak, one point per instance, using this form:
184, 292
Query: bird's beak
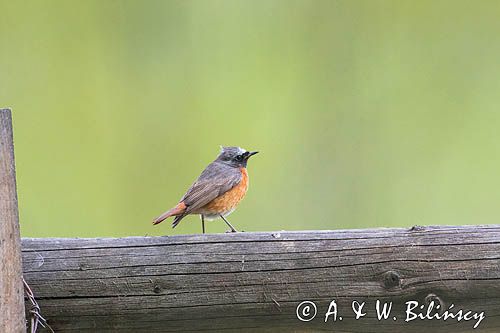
252, 153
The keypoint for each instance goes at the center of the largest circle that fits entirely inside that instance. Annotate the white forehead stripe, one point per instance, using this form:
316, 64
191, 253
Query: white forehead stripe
239, 150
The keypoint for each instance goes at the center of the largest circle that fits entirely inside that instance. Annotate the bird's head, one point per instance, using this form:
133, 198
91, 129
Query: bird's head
235, 156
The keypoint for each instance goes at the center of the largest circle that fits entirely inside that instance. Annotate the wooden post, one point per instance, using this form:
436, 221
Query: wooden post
256, 282
12, 318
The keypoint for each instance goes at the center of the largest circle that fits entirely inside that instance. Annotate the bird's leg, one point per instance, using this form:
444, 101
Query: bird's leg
203, 223
229, 224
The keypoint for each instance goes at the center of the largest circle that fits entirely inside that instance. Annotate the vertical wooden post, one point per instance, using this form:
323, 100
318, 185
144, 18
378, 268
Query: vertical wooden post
12, 317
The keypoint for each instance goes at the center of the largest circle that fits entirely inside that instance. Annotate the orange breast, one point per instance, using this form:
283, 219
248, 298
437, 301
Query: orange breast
229, 200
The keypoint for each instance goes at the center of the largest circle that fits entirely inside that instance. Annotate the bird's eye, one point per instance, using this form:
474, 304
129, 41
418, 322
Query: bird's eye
239, 158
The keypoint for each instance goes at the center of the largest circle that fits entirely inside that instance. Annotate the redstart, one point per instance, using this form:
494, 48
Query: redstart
217, 191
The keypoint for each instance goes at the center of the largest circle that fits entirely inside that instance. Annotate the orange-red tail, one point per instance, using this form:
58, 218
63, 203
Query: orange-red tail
177, 210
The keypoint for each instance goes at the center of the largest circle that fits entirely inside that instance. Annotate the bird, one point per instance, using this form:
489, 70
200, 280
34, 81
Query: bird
217, 191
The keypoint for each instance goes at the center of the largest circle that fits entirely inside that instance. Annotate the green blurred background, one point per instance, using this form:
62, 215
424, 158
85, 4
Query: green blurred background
366, 113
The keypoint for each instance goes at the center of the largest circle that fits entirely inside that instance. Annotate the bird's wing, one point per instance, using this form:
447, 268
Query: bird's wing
214, 181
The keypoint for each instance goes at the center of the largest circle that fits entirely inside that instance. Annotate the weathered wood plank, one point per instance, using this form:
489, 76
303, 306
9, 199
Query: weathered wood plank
11, 286
254, 281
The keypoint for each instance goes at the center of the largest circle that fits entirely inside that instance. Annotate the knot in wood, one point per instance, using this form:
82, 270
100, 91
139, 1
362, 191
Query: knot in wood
157, 289
438, 302
391, 279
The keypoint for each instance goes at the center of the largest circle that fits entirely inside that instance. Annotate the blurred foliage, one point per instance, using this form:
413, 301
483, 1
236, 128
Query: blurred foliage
366, 113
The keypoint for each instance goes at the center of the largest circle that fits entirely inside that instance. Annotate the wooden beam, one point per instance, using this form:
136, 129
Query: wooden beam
253, 282
12, 317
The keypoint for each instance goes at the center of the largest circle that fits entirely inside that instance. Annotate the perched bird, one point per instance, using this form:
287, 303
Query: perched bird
217, 191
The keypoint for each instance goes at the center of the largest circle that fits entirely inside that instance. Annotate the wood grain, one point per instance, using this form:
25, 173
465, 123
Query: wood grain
253, 282
11, 287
